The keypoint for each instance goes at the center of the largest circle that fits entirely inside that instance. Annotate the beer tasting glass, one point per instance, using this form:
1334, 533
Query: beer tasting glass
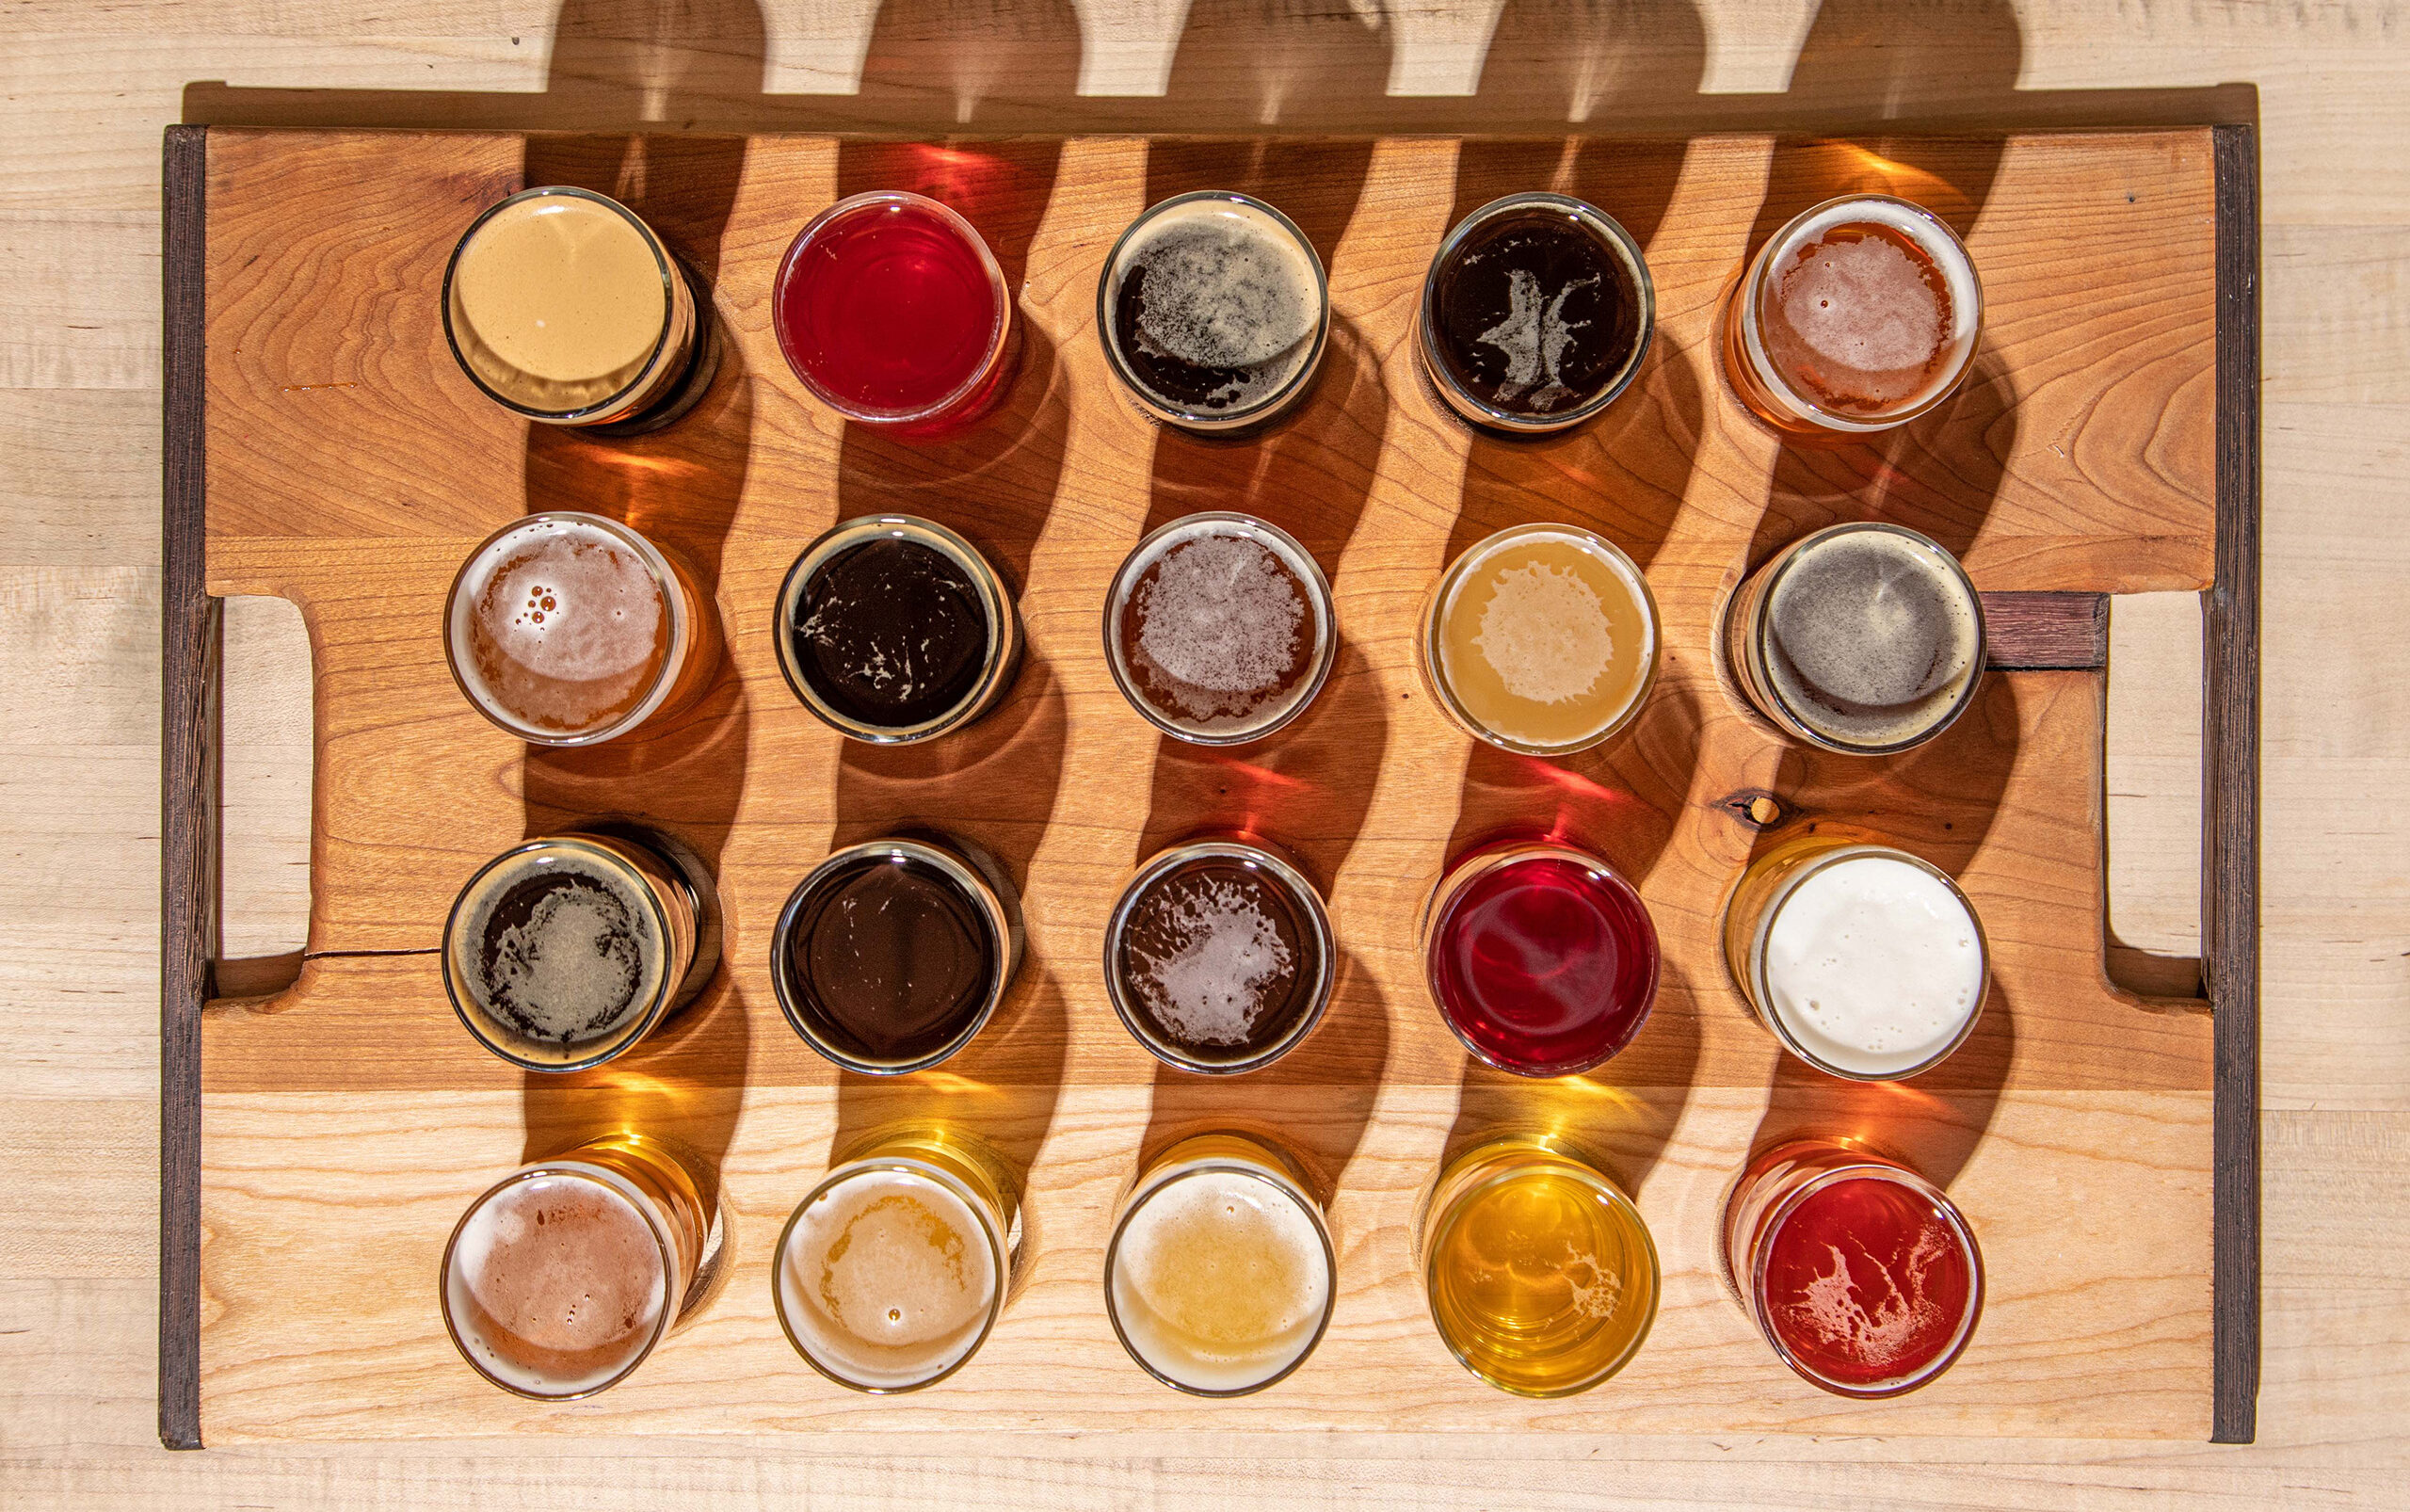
1860, 314
1213, 312
1864, 962
1218, 955
562, 305
895, 314
1541, 958
892, 629
568, 951
893, 1271
1220, 1272
1865, 638
1219, 629
893, 954
1537, 312
1541, 640
1541, 1277
561, 1278
1862, 1276
569, 628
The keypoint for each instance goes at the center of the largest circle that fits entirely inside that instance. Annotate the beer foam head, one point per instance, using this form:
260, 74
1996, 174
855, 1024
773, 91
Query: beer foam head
1859, 309
1874, 637
888, 1279
1230, 626
1874, 965
567, 626
558, 300
558, 952
1226, 290
1546, 638
1221, 1280
556, 1283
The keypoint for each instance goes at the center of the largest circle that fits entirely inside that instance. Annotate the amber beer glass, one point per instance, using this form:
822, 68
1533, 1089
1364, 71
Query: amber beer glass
569, 628
1858, 315
1541, 1277
564, 1275
893, 1271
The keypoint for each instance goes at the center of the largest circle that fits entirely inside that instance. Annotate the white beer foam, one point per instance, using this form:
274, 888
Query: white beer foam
1874, 965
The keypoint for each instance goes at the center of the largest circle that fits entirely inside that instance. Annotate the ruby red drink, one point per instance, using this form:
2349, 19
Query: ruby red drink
1863, 1277
893, 311
1540, 957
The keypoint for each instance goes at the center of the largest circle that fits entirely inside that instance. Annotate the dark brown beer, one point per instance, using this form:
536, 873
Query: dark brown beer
1537, 312
891, 954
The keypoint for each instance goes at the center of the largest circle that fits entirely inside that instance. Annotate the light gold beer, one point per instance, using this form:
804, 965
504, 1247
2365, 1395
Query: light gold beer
1220, 1273
893, 1270
1541, 1277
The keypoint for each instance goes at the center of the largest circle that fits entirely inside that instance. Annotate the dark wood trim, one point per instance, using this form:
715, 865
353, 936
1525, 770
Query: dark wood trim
2045, 631
2231, 783
187, 788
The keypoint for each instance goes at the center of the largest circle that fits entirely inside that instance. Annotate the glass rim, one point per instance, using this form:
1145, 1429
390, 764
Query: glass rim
596, 848
1758, 637
999, 336
964, 875
1865, 1166
666, 579
1004, 622
992, 1228
672, 273
1760, 992
1608, 230
1301, 892
1277, 1172
1293, 554
1436, 1216
1761, 363
1483, 859
1185, 417
673, 1294
1451, 583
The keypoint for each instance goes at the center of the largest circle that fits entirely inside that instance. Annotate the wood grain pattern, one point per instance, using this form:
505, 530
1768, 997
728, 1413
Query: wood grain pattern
350, 468
187, 787
2230, 889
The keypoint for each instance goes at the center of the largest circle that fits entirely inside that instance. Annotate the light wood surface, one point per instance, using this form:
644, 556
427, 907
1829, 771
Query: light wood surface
88, 88
350, 470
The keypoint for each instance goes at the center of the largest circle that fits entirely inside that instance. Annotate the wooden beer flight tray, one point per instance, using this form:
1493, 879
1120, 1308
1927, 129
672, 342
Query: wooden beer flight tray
319, 1144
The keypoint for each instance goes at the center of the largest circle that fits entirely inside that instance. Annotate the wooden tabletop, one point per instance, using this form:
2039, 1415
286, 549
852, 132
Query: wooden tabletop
87, 89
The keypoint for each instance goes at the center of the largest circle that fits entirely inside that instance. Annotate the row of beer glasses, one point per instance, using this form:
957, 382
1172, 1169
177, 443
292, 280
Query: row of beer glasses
1219, 629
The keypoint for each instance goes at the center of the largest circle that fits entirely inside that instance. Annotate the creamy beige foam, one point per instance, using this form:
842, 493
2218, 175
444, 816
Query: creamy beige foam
888, 1279
1874, 965
556, 1283
558, 302
1220, 1281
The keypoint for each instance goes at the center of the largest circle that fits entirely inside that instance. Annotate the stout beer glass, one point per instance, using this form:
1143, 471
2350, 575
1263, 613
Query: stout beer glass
569, 950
